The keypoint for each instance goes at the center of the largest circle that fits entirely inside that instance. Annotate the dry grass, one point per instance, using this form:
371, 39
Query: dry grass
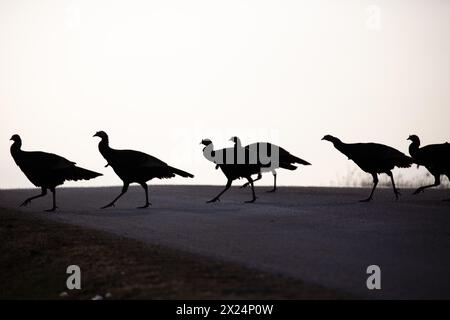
357, 178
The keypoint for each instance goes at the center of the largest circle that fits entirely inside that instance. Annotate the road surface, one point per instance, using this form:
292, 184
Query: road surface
318, 235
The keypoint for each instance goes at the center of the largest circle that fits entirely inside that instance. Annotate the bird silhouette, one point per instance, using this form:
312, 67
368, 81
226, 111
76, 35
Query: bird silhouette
373, 158
271, 157
234, 166
135, 166
434, 157
46, 170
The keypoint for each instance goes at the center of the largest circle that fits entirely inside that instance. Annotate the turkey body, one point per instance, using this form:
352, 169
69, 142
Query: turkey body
434, 157
373, 158
270, 157
135, 166
47, 170
234, 165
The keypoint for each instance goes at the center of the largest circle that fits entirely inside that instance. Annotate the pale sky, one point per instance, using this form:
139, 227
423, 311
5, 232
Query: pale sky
158, 76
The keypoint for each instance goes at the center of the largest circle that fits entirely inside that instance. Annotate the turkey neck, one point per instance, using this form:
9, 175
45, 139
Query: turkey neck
15, 149
341, 146
414, 148
208, 152
104, 148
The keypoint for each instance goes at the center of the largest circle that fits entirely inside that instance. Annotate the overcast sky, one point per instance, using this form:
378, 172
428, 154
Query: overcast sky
158, 76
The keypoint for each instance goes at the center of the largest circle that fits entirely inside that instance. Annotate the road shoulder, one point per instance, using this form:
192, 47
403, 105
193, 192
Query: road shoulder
37, 251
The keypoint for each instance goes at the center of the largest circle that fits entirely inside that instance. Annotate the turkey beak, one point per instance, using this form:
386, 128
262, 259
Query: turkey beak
11, 139
95, 135
409, 138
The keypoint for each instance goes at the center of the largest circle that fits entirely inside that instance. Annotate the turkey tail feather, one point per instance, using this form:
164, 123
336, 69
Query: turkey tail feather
181, 172
287, 166
77, 173
404, 162
300, 161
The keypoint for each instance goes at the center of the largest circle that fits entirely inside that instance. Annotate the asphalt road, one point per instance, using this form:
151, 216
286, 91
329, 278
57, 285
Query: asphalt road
318, 235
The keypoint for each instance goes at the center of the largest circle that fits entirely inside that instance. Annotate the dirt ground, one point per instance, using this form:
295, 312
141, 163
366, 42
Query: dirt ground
35, 253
